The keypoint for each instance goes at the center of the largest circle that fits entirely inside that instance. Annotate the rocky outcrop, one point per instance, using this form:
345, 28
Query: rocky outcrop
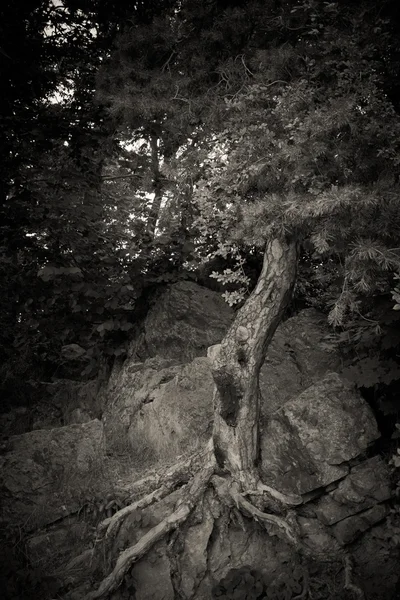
142, 397
309, 442
130, 386
316, 439
182, 323
45, 472
301, 352
211, 546
366, 485
165, 411
175, 415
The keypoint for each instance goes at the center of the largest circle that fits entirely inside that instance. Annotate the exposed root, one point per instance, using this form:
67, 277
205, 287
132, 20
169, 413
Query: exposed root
160, 484
287, 499
228, 492
112, 524
147, 541
348, 578
179, 472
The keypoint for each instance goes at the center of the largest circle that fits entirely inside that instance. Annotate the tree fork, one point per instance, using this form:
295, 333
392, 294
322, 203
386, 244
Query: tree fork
236, 364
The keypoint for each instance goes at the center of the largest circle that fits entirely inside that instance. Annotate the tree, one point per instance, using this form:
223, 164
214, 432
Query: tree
292, 141
66, 265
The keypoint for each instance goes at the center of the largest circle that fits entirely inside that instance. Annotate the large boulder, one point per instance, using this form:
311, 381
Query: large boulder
130, 386
45, 472
176, 416
163, 411
182, 323
308, 442
301, 352
141, 395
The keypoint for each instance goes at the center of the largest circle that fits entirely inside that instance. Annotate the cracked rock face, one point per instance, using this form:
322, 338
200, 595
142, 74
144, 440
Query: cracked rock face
307, 443
45, 468
365, 486
156, 406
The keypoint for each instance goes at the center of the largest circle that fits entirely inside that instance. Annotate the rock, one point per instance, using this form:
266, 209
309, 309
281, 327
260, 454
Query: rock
135, 383
317, 538
152, 577
301, 353
183, 322
194, 557
70, 395
348, 530
15, 421
45, 471
131, 385
47, 550
175, 416
367, 484
306, 443
210, 548
79, 416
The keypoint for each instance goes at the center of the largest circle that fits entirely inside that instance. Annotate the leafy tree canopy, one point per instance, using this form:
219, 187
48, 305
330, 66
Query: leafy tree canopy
191, 130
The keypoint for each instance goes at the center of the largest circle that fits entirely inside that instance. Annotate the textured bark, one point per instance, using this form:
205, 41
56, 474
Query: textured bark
237, 361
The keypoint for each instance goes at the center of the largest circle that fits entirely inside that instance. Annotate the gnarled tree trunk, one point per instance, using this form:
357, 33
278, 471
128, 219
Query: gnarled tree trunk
229, 463
236, 364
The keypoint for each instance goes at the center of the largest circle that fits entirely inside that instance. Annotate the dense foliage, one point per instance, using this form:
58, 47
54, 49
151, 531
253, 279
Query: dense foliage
161, 140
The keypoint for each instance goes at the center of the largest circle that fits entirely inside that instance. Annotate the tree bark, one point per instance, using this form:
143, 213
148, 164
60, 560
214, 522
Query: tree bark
236, 364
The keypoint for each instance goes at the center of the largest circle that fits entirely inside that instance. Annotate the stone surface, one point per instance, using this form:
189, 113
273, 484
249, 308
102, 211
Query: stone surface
184, 321
301, 352
176, 416
348, 530
45, 471
194, 559
159, 409
317, 538
47, 550
152, 576
289, 368
209, 548
130, 386
306, 443
367, 484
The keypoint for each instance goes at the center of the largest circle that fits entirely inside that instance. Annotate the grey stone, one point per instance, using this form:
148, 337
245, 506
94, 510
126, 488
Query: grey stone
47, 550
367, 484
193, 562
348, 530
73, 352
317, 538
130, 386
302, 351
175, 416
184, 321
45, 471
307, 442
152, 576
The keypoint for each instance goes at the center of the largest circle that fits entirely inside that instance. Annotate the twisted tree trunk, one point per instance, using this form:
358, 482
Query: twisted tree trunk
236, 364
231, 458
